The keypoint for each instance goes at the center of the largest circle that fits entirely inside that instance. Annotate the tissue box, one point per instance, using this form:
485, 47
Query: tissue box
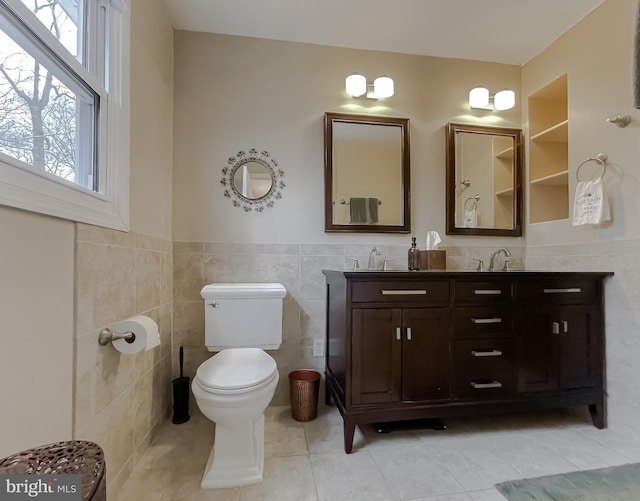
433, 260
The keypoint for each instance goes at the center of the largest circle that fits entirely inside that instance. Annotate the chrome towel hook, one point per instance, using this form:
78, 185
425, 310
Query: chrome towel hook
620, 120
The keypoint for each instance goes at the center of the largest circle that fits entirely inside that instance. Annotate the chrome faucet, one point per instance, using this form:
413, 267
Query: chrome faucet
372, 258
495, 254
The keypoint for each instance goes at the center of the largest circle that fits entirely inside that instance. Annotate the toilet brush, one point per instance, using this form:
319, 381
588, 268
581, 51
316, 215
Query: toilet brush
181, 395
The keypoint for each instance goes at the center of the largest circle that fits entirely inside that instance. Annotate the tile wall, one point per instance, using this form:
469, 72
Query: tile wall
299, 268
121, 399
622, 313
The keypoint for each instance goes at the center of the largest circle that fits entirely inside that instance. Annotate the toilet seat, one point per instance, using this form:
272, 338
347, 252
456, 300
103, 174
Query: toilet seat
236, 370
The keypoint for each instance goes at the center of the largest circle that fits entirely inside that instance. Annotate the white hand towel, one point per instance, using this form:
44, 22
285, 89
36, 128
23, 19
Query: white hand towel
470, 219
590, 205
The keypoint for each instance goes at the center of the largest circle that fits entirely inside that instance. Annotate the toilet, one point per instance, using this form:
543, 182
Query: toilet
234, 387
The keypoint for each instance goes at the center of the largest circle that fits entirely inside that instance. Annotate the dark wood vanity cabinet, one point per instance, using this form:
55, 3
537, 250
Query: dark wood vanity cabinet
410, 345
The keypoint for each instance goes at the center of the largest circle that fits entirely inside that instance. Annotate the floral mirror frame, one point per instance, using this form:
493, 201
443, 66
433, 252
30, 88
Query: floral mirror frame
238, 199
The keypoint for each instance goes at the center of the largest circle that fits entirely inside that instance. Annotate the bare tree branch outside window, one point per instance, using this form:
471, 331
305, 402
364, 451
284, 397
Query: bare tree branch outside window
38, 113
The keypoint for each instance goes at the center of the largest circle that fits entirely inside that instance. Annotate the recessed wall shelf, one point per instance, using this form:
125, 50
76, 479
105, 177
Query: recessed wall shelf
557, 179
503, 181
549, 153
556, 134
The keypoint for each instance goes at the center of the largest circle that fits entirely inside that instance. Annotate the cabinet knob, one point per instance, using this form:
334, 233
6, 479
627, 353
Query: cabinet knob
555, 328
408, 333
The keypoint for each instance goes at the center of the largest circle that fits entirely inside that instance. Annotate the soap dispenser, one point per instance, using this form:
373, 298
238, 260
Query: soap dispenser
414, 256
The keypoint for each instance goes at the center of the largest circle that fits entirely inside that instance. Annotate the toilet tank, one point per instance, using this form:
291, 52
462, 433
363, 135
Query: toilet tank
243, 315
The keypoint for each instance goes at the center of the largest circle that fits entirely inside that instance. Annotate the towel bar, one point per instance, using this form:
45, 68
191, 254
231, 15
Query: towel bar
346, 202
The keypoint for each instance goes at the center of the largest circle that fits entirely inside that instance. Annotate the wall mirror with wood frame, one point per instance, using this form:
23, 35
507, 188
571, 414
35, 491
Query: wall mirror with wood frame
484, 180
367, 174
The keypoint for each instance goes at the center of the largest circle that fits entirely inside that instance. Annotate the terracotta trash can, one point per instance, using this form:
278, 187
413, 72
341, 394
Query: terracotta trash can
76, 457
304, 386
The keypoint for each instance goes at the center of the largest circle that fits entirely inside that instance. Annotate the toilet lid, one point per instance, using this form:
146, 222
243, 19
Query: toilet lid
236, 368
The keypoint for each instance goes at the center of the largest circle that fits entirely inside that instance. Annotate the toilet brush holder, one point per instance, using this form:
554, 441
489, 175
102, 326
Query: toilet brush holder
180, 395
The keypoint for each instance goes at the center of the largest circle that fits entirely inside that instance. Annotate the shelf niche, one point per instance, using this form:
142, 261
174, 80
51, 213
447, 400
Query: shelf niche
549, 153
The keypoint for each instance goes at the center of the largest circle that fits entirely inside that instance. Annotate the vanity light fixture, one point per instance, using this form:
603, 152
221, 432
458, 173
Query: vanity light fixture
479, 98
356, 85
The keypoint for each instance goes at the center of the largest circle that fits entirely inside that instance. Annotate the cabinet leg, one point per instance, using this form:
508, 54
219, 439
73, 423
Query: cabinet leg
598, 414
349, 428
327, 393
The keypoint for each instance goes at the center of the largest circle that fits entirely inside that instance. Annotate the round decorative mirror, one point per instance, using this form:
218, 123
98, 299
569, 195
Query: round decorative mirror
252, 180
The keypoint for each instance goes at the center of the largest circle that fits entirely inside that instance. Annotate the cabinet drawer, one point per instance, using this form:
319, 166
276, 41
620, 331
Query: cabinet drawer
483, 382
483, 292
556, 291
483, 353
401, 292
483, 321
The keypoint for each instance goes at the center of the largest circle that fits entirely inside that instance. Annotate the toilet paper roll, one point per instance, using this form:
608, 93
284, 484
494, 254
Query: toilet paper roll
145, 331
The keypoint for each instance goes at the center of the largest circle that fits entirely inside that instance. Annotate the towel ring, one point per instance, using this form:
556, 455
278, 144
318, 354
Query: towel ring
600, 158
475, 199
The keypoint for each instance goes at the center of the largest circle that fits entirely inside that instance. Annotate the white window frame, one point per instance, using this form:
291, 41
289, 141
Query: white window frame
47, 194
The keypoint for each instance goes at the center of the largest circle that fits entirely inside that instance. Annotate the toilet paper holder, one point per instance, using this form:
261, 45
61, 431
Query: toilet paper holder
107, 336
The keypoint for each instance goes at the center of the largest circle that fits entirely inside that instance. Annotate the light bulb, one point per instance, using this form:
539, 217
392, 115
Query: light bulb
504, 100
356, 85
479, 97
383, 87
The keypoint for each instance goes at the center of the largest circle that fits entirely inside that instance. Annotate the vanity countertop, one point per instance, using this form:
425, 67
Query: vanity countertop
377, 274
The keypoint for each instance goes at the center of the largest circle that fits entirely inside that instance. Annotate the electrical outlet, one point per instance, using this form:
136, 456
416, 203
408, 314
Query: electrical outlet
318, 347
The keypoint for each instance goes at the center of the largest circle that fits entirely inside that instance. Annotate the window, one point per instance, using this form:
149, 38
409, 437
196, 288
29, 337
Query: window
64, 114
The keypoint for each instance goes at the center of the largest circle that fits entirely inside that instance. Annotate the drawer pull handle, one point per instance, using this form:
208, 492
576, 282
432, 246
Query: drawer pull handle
487, 292
495, 320
415, 292
481, 386
398, 334
575, 290
408, 333
492, 353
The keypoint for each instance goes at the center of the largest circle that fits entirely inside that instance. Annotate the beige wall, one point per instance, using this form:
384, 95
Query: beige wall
151, 119
234, 93
121, 399
108, 276
36, 308
596, 54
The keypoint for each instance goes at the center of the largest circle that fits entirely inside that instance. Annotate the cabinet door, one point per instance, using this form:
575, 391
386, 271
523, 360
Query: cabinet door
559, 348
425, 354
579, 347
376, 355
537, 350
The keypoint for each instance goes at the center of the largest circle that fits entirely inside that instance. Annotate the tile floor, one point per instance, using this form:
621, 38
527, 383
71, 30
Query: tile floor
306, 462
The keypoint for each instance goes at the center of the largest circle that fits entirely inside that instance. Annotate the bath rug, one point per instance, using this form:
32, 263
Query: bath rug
616, 483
